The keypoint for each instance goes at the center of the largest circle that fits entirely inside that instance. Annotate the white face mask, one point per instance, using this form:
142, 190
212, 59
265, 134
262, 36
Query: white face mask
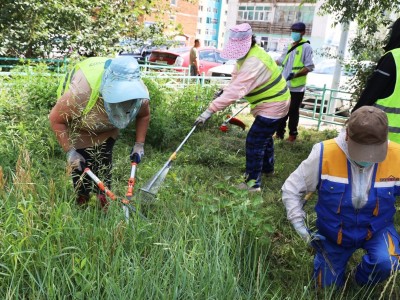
121, 114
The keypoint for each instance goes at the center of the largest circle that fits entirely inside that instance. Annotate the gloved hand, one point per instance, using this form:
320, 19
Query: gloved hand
76, 160
317, 237
302, 230
203, 117
290, 76
137, 152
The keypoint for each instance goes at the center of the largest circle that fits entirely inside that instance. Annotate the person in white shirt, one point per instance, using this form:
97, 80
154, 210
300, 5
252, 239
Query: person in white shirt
297, 62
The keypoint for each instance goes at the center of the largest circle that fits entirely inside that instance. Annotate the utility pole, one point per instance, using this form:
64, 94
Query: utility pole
338, 67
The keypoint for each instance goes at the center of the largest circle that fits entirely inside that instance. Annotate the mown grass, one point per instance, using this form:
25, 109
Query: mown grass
203, 239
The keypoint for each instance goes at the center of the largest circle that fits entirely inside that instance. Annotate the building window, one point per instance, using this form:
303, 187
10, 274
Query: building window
254, 13
198, 31
201, 7
290, 14
174, 2
200, 20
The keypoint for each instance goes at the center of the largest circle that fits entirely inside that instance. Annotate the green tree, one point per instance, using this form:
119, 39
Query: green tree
369, 14
33, 28
372, 18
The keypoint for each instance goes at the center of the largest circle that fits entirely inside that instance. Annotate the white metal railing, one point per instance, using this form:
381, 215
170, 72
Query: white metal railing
175, 77
326, 106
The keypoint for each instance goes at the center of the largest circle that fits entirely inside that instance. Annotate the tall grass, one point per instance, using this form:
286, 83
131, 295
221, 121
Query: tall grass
203, 239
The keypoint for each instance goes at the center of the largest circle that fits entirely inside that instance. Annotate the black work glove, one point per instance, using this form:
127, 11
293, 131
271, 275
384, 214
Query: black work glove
290, 76
137, 152
218, 93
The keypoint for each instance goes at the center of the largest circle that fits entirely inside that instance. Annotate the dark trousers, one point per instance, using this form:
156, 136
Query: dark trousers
293, 115
193, 70
260, 148
99, 160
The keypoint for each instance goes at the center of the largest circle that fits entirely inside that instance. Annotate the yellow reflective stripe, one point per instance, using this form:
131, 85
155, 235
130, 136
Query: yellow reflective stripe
277, 90
391, 246
334, 163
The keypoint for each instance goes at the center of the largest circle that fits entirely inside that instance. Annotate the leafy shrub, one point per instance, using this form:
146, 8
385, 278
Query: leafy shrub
26, 98
173, 115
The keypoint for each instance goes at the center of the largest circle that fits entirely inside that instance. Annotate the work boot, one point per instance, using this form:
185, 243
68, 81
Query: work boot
278, 137
82, 200
103, 202
291, 138
244, 186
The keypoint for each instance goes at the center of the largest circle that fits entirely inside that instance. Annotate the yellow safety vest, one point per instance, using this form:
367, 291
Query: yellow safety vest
391, 104
297, 66
93, 69
275, 89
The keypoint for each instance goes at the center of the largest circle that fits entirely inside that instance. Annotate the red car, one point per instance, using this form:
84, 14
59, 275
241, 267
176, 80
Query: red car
208, 57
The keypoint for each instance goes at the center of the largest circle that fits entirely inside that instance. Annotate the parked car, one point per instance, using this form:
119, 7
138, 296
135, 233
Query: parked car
208, 57
140, 53
319, 84
224, 70
141, 49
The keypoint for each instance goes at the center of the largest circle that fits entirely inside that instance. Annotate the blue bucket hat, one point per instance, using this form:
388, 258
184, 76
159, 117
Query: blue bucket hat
121, 81
299, 26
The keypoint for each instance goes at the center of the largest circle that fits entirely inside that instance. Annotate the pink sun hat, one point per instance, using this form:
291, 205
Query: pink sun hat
239, 42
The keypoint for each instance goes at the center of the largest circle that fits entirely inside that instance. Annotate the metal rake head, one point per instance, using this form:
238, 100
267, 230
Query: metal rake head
150, 189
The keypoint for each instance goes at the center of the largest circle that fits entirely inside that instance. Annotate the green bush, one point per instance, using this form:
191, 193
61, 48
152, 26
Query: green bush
203, 238
25, 101
173, 114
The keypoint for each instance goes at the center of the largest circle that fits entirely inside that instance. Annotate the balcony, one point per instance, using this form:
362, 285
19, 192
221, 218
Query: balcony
274, 28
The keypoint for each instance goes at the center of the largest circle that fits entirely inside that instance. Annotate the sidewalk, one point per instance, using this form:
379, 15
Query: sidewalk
308, 123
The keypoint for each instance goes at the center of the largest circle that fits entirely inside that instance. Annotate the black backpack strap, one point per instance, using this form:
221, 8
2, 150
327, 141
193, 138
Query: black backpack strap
294, 47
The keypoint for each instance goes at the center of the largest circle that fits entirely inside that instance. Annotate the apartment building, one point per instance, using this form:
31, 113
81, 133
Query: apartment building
180, 18
271, 20
209, 21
